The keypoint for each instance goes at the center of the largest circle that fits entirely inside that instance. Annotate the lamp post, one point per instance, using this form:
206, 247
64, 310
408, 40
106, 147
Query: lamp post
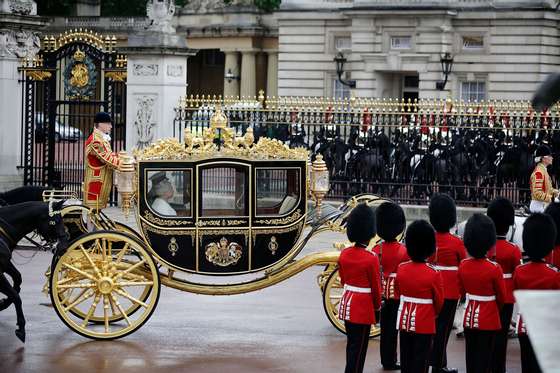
229, 76
446, 65
340, 61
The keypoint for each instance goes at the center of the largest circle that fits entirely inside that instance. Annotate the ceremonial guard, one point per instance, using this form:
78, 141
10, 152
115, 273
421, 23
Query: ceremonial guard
449, 253
482, 283
554, 211
539, 235
360, 276
420, 287
542, 192
390, 222
99, 163
508, 256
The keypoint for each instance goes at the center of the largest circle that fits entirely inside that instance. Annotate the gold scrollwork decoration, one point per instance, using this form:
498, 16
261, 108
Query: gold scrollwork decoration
173, 247
223, 253
154, 219
116, 76
221, 232
38, 75
276, 231
236, 222
286, 220
209, 223
169, 232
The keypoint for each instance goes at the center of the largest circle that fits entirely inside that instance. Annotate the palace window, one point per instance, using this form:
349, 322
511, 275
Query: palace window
473, 91
401, 42
340, 90
473, 42
342, 43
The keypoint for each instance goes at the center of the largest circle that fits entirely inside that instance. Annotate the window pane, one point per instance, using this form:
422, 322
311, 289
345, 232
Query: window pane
277, 191
473, 91
169, 192
340, 90
473, 42
342, 43
401, 42
223, 191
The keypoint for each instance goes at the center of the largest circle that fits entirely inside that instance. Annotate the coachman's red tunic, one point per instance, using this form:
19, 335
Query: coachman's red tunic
482, 282
99, 164
534, 276
420, 287
359, 274
392, 254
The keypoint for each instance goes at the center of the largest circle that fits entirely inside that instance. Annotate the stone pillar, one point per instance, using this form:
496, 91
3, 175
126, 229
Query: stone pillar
231, 88
156, 79
272, 74
19, 38
248, 78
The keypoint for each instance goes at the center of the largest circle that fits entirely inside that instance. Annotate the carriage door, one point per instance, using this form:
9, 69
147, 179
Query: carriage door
223, 218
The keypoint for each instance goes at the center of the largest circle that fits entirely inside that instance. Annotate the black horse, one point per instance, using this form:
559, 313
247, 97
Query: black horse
22, 194
16, 221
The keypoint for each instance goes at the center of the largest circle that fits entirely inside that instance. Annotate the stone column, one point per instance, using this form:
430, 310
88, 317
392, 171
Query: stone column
272, 74
156, 79
248, 79
231, 88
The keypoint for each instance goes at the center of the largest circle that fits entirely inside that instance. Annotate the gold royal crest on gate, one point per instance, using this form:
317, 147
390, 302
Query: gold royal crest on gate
223, 253
80, 77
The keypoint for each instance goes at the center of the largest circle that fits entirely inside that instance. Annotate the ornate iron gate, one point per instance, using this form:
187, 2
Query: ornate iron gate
75, 75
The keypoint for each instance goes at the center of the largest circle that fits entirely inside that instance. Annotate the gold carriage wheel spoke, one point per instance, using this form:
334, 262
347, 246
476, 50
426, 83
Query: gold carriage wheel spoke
110, 250
122, 253
85, 274
104, 249
91, 310
120, 274
125, 294
79, 301
77, 286
116, 302
133, 277
67, 299
134, 283
65, 281
113, 309
90, 261
106, 312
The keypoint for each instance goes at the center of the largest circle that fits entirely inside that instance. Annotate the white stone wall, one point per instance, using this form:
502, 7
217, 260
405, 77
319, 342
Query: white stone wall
521, 46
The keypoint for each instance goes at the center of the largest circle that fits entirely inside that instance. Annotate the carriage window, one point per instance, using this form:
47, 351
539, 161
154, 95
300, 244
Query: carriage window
169, 192
223, 191
278, 191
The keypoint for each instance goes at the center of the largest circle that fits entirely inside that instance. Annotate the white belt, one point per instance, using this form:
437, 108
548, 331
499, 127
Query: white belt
357, 289
508, 275
393, 274
416, 300
481, 298
446, 268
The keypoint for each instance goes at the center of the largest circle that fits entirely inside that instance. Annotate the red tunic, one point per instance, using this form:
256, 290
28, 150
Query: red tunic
534, 276
359, 274
421, 290
450, 250
392, 254
554, 257
482, 282
508, 256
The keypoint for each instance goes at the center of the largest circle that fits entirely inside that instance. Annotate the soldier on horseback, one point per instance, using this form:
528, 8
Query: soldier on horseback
99, 163
542, 191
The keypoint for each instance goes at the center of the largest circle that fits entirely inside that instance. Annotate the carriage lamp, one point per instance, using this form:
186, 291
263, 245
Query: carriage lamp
340, 60
319, 180
446, 65
125, 181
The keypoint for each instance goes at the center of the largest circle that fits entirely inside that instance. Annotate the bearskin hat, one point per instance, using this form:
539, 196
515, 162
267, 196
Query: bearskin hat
543, 151
553, 210
502, 213
539, 235
443, 213
389, 220
360, 224
420, 240
480, 235
102, 117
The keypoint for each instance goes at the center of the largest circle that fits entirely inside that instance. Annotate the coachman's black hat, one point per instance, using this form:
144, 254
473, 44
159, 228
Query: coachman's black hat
480, 235
360, 224
543, 151
539, 235
102, 117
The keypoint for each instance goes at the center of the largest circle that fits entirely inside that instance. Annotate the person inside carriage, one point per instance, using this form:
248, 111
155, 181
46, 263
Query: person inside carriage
160, 194
542, 190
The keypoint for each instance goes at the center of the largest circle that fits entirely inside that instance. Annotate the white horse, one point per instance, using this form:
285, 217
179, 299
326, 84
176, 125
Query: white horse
514, 235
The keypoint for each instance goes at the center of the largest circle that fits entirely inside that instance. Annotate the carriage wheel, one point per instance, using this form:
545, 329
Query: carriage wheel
332, 294
94, 282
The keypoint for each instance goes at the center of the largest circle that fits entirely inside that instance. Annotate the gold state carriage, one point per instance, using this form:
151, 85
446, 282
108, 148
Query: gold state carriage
210, 206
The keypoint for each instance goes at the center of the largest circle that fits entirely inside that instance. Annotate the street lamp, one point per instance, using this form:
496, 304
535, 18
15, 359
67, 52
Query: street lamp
446, 65
340, 61
229, 76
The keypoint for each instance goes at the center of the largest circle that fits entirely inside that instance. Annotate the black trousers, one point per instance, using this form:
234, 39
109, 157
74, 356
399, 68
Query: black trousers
415, 352
356, 346
389, 332
479, 346
444, 324
529, 363
500, 347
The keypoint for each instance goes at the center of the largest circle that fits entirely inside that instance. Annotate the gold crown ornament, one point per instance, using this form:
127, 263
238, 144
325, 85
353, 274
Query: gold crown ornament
79, 55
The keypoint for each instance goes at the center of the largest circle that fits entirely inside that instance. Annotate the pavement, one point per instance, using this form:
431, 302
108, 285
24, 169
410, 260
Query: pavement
279, 329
